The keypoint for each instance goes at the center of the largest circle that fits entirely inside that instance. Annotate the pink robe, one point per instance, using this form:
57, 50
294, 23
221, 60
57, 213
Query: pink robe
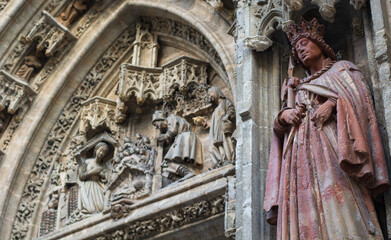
323, 187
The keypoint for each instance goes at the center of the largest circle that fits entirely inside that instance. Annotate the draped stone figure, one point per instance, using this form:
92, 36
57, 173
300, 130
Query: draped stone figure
326, 160
93, 176
72, 12
30, 65
185, 149
221, 126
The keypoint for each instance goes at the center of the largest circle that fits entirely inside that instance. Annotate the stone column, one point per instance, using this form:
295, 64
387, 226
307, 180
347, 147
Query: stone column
382, 54
257, 102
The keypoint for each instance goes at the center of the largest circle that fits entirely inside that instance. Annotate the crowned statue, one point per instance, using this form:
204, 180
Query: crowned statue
327, 161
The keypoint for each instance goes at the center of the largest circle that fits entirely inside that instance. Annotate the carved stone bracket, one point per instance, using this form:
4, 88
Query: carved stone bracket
258, 43
98, 113
158, 83
274, 16
52, 36
15, 93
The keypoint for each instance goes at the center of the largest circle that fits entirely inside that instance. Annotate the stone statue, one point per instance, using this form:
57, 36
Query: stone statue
31, 64
322, 178
185, 149
72, 12
93, 176
221, 126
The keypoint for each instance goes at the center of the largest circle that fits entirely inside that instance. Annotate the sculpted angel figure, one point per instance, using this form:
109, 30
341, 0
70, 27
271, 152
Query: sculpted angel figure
321, 184
93, 176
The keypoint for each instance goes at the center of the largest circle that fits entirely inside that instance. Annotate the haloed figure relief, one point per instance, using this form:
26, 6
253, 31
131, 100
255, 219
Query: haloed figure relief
327, 160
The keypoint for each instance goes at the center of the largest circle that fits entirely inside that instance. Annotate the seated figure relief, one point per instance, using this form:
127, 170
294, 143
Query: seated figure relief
30, 65
72, 12
185, 150
93, 176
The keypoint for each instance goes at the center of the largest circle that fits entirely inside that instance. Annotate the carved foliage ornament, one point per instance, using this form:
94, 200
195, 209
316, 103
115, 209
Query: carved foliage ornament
170, 221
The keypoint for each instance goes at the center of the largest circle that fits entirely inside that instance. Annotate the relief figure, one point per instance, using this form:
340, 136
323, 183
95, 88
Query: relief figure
93, 176
31, 64
326, 161
72, 12
185, 147
221, 127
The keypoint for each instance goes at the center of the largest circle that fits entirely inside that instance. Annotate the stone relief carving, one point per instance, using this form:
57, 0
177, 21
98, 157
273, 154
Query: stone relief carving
185, 153
49, 216
15, 94
158, 83
221, 127
169, 27
59, 131
53, 38
30, 65
169, 221
97, 113
72, 12
131, 175
3, 4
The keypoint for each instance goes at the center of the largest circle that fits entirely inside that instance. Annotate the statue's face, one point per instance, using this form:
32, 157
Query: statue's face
160, 124
308, 52
212, 96
101, 152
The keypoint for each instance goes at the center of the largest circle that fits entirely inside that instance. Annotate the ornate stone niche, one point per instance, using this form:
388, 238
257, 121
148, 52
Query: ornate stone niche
158, 84
97, 113
51, 36
131, 174
15, 94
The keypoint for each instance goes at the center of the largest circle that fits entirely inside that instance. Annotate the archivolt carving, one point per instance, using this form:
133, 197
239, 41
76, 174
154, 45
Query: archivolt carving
49, 152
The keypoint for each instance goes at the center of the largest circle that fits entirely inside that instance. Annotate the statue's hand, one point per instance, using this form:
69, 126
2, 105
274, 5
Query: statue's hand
161, 138
323, 113
293, 82
291, 117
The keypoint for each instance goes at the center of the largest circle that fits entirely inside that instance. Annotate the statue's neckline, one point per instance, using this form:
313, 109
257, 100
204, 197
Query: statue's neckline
328, 64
